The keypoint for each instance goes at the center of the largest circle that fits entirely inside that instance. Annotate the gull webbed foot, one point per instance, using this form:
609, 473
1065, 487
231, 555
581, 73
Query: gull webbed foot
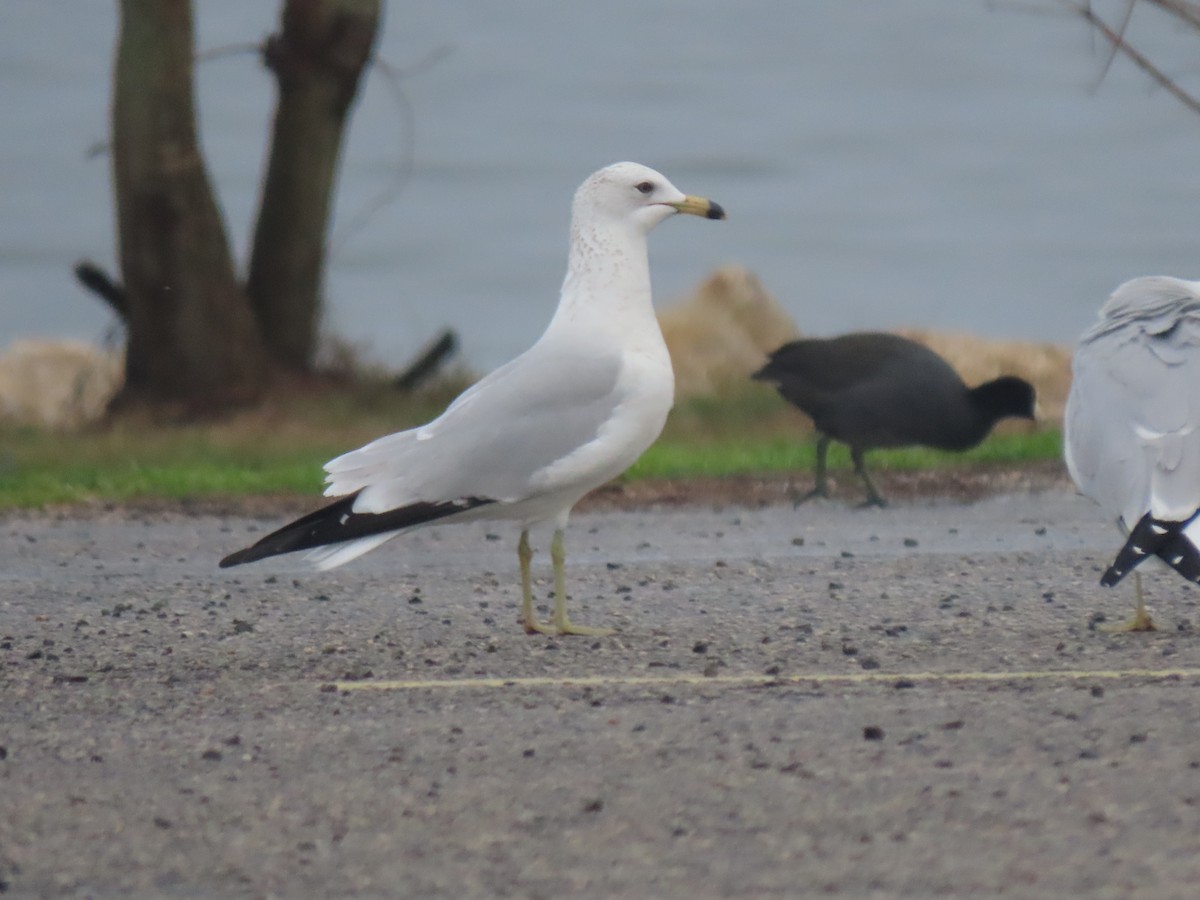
1141, 620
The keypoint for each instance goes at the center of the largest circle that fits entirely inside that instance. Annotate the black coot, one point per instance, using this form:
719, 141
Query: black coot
872, 390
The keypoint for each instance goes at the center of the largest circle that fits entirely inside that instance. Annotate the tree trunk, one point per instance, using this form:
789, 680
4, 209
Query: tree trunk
192, 340
317, 58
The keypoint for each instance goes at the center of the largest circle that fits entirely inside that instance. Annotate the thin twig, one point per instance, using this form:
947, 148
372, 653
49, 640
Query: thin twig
1117, 39
1185, 10
392, 77
227, 50
1115, 48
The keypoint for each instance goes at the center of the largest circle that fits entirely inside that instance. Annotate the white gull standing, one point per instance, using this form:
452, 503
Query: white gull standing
529, 440
1131, 438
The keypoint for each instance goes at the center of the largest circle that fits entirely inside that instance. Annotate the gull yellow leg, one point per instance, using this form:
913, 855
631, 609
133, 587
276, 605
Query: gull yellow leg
1141, 620
525, 555
561, 623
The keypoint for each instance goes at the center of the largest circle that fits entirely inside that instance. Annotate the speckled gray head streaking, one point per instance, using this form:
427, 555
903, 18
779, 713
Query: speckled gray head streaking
1130, 429
530, 439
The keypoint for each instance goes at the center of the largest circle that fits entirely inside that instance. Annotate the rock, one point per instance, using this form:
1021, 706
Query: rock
722, 333
57, 384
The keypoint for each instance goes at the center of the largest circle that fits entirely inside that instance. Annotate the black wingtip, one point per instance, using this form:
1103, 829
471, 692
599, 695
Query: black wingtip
1112, 576
338, 522
1182, 555
1155, 537
1145, 539
237, 558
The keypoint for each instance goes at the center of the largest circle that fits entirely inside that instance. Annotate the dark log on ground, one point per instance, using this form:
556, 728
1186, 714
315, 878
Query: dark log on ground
99, 282
428, 361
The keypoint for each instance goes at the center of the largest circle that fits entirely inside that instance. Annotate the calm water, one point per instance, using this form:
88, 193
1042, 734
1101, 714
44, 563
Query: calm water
884, 162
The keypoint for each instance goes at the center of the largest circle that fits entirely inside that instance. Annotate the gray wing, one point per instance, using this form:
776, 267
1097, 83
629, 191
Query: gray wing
1131, 426
494, 440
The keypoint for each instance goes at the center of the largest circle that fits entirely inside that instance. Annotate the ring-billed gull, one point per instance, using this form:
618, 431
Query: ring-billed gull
873, 390
1130, 429
530, 439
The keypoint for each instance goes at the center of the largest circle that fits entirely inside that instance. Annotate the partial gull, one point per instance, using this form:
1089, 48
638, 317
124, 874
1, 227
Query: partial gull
530, 439
871, 389
1130, 429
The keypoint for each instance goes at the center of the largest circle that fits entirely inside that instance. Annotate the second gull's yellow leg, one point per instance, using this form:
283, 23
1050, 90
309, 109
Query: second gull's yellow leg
1141, 620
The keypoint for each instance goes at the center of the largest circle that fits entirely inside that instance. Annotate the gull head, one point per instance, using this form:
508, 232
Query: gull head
635, 194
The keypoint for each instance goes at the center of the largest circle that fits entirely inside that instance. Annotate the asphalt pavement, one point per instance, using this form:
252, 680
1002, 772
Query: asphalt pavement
917, 701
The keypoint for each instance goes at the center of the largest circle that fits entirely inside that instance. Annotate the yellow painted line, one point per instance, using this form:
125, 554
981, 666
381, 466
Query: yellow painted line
685, 678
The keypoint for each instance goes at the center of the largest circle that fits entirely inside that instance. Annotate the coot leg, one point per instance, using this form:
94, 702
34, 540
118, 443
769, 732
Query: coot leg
873, 496
822, 486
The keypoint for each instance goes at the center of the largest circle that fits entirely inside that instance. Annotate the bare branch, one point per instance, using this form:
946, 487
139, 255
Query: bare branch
1186, 10
227, 50
428, 361
392, 78
99, 282
1114, 47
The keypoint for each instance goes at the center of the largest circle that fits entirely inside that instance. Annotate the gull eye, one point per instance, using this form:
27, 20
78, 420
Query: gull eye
645, 187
